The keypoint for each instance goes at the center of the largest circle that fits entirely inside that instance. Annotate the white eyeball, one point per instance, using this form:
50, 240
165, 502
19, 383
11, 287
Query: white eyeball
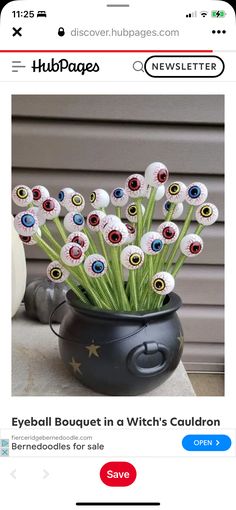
152, 243
178, 210
160, 192
40, 193
26, 224
132, 233
196, 193
169, 231
99, 198
135, 186
56, 272
156, 174
207, 214
22, 195
191, 245
176, 192
28, 240
72, 254
109, 219
64, 194
132, 257
132, 212
79, 238
74, 222
74, 202
94, 220
50, 208
119, 197
116, 235
95, 265
162, 283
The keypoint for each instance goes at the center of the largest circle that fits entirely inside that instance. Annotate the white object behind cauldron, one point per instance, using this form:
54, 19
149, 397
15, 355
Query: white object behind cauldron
18, 270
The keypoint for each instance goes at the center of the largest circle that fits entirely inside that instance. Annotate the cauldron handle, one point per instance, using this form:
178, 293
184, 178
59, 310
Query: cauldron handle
148, 348
51, 317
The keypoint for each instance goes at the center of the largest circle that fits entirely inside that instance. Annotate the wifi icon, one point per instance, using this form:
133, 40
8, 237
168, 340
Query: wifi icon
203, 13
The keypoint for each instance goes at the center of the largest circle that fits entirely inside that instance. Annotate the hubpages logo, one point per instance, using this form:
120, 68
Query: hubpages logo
63, 65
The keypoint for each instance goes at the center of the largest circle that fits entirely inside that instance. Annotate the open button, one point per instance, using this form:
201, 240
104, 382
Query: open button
185, 66
206, 443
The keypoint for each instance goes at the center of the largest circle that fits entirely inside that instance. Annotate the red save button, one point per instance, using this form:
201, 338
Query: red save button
118, 474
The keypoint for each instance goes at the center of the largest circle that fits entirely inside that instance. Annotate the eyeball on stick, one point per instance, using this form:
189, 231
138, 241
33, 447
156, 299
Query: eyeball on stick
191, 245
94, 220
79, 238
156, 174
135, 186
95, 265
72, 254
207, 214
178, 210
56, 272
196, 193
26, 224
162, 283
74, 222
119, 197
132, 257
40, 193
50, 208
176, 192
99, 198
28, 240
169, 231
160, 192
116, 235
132, 212
74, 202
63, 194
109, 219
132, 233
22, 195
152, 243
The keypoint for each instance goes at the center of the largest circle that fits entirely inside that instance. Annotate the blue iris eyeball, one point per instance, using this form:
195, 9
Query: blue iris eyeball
118, 192
167, 206
28, 220
194, 192
78, 219
61, 195
157, 245
98, 267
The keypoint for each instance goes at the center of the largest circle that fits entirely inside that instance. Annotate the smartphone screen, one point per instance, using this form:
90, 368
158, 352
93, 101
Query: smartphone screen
117, 380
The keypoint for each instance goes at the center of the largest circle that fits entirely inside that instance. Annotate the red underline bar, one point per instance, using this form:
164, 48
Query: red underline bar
106, 51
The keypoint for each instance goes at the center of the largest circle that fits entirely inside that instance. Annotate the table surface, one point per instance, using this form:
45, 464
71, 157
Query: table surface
38, 370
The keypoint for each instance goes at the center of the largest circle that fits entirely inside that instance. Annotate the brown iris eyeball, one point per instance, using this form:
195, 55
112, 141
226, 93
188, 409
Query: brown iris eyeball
191, 245
169, 231
156, 174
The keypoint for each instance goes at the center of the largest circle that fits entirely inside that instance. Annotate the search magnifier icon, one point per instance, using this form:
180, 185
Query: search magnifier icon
138, 66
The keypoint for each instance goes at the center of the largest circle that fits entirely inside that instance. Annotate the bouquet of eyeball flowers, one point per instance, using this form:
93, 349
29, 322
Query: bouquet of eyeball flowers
109, 262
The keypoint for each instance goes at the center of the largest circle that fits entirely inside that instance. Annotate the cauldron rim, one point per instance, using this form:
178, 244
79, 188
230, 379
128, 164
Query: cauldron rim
173, 304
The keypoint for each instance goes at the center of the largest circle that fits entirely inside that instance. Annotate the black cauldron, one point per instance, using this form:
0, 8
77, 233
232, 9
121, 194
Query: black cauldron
121, 353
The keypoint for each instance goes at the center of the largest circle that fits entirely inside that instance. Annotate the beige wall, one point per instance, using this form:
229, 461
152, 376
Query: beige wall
96, 141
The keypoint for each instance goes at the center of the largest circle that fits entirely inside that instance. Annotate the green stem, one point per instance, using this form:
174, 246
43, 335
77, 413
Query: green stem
169, 214
150, 275
118, 212
52, 254
139, 223
183, 232
199, 229
148, 215
77, 291
50, 237
60, 229
118, 276
133, 290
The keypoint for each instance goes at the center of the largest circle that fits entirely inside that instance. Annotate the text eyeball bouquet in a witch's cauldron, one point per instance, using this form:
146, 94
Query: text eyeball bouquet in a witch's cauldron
118, 261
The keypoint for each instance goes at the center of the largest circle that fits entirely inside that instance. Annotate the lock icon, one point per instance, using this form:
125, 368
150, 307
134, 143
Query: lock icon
61, 31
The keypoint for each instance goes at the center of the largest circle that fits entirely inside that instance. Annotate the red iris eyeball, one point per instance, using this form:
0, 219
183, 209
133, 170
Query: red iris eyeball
115, 236
75, 252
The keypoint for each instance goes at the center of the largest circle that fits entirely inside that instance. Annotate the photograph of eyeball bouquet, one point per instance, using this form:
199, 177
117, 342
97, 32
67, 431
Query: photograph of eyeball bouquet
121, 280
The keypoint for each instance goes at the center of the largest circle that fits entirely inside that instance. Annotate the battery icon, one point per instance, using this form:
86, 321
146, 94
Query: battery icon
218, 14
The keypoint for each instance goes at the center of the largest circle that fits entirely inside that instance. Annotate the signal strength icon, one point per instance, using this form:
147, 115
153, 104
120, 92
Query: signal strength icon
191, 14
204, 13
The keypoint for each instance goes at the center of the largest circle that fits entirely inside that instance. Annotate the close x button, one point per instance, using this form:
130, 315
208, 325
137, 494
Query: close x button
118, 474
206, 443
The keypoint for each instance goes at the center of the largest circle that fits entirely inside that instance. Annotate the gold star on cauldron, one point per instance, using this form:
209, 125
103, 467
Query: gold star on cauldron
93, 349
181, 340
76, 366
